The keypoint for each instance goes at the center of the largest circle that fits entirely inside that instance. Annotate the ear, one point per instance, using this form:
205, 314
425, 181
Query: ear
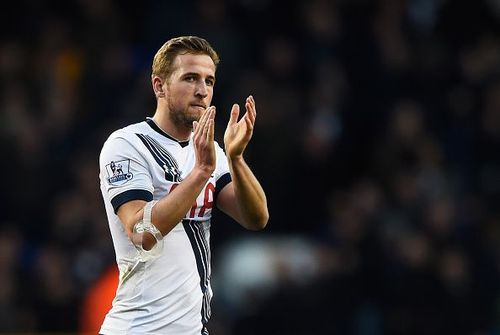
157, 83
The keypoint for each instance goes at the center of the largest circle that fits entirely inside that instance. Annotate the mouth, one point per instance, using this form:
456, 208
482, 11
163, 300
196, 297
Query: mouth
199, 106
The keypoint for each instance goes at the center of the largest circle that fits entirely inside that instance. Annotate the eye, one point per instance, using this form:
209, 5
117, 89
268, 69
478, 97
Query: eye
190, 78
210, 82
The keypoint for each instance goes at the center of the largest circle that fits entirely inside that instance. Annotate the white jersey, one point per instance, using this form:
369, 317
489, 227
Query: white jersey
170, 294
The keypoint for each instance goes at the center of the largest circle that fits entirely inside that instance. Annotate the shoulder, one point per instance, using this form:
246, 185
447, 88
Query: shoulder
128, 133
123, 139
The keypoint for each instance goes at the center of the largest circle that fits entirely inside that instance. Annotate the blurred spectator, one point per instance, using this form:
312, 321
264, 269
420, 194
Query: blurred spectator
381, 118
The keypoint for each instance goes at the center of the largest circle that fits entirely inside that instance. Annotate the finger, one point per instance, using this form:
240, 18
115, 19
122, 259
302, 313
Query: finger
249, 122
250, 110
210, 131
214, 111
250, 105
250, 114
209, 116
198, 128
204, 116
208, 124
195, 126
251, 100
235, 112
203, 121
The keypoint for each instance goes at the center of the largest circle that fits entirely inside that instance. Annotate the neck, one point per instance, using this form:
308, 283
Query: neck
178, 132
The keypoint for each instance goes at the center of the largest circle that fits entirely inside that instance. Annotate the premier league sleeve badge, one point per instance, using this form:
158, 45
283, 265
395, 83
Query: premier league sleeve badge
118, 172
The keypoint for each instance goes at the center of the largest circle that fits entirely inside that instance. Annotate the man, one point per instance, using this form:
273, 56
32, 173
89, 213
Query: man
159, 206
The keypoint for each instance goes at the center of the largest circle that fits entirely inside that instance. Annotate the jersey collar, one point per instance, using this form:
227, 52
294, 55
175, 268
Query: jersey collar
156, 128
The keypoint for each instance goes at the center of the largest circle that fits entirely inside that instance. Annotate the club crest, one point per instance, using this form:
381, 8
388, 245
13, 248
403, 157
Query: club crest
118, 172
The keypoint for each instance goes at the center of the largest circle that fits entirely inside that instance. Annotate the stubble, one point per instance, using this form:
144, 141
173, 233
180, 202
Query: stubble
181, 117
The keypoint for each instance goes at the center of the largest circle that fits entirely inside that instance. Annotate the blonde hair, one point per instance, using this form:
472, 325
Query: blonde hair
165, 56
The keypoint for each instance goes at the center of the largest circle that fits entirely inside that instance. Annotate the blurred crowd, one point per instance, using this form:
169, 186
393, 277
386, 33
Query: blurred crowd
377, 141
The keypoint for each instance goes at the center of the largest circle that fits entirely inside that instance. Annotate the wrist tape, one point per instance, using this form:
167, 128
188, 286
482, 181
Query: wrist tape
145, 226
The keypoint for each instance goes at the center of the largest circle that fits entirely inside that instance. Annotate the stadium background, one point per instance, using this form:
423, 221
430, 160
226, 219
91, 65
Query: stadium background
378, 143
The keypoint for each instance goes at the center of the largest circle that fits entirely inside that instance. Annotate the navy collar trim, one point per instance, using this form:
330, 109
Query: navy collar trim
155, 127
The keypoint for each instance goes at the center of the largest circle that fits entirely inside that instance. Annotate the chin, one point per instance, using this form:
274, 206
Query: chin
195, 116
197, 110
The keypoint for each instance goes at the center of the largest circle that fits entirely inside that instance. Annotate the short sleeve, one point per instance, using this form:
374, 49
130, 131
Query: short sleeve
124, 173
222, 175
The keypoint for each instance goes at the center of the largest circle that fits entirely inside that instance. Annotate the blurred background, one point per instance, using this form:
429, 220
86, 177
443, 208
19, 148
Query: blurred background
377, 141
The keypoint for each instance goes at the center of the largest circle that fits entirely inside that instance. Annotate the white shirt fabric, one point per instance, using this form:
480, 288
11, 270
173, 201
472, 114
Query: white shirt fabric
170, 294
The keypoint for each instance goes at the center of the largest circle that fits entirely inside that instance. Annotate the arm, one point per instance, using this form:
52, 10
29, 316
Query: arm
172, 208
243, 199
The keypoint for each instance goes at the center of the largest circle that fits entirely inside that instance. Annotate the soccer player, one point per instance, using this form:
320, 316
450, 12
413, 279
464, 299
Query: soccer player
159, 202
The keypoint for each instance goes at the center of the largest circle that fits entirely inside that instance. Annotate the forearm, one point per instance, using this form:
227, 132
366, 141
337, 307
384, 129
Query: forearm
167, 212
250, 197
172, 208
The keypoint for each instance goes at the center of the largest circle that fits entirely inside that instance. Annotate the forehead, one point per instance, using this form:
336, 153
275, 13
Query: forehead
191, 63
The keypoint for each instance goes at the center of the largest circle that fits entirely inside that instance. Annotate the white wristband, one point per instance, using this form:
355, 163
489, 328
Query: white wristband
148, 209
146, 226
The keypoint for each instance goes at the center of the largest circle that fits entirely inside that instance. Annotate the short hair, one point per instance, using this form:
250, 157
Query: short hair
165, 56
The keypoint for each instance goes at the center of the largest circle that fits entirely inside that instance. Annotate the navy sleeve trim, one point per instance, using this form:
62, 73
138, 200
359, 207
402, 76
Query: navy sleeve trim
130, 195
221, 183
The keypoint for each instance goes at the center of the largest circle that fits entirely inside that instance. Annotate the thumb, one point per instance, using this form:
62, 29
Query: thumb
195, 125
235, 112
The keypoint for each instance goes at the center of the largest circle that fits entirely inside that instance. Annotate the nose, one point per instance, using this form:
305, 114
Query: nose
201, 90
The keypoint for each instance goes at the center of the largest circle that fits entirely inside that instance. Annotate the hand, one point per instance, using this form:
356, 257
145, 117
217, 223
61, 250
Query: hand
203, 140
239, 133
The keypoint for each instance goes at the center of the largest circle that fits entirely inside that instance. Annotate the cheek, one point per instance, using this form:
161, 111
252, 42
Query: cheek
210, 94
178, 94
185, 92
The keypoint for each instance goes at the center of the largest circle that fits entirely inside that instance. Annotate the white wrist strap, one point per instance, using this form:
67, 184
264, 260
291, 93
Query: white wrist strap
146, 226
148, 211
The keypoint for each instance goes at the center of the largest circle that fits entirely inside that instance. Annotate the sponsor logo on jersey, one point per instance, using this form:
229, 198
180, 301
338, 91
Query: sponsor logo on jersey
118, 172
